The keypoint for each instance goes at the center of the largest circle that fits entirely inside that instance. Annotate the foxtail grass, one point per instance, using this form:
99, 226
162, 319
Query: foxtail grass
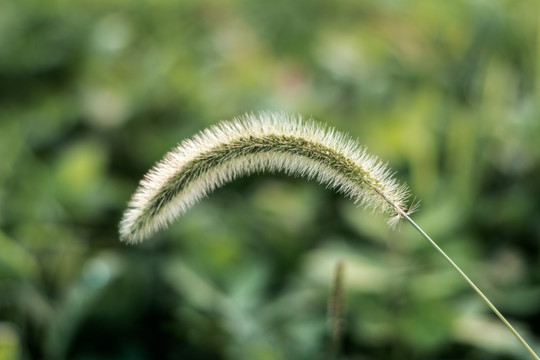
271, 142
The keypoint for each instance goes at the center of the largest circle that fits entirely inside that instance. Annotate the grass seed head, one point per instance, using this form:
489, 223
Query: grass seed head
254, 143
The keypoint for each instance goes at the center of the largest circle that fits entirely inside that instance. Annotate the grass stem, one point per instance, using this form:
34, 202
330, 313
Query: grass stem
475, 288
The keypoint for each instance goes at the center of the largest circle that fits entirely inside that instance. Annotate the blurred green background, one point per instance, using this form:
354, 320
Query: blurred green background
93, 93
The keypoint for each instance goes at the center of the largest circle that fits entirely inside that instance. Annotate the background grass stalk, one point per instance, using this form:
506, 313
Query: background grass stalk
335, 311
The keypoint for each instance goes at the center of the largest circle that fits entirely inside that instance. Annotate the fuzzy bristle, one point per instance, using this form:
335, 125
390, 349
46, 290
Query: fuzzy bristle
253, 143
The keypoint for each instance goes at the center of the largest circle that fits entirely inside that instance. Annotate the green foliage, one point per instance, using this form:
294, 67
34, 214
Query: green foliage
92, 93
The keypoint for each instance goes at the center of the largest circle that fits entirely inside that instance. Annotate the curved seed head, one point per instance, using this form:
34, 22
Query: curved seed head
253, 143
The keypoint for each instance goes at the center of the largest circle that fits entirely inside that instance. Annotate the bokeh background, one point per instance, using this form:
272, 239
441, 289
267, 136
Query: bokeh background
93, 93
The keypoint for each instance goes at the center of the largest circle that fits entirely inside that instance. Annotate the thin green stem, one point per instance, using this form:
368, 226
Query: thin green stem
471, 283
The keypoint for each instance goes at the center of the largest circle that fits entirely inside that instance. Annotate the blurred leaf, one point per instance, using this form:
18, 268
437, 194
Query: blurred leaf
490, 334
16, 262
97, 275
10, 344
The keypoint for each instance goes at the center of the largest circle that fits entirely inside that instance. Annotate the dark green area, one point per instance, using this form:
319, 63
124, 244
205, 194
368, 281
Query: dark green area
93, 93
